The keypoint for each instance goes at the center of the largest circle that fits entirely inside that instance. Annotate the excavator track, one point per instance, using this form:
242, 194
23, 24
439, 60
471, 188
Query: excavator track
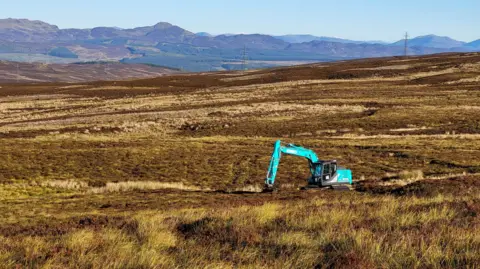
342, 187
334, 187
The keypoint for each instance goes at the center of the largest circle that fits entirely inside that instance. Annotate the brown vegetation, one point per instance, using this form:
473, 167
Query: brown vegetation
16, 72
165, 172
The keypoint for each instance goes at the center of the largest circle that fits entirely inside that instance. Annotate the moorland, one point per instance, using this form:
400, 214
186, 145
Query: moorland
167, 172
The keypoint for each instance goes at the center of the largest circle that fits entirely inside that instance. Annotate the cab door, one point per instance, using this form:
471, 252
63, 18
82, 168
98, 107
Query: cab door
329, 170
327, 176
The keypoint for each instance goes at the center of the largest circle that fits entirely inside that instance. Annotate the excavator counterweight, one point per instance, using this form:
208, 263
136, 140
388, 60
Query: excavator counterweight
323, 173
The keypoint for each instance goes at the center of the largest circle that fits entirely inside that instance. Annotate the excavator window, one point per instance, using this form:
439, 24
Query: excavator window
326, 168
329, 170
326, 171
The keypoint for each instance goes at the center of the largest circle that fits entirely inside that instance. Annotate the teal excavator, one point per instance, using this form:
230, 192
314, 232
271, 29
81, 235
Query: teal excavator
323, 173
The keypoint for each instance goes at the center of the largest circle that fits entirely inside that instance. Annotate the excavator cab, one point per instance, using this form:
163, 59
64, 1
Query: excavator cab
323, 172
328, 173
329, 170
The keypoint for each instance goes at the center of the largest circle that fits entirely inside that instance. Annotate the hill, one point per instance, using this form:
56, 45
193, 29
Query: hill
349, 50
14, 72
23, 30
204, 34
309, 38
167, 172
432, 41
474, 44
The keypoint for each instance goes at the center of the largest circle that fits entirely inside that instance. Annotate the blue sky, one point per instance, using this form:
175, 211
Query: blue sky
353, 19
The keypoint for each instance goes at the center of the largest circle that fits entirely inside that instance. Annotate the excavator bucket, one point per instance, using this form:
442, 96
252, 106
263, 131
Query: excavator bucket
269, 188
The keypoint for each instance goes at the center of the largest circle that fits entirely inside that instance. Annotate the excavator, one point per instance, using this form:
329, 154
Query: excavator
323, 173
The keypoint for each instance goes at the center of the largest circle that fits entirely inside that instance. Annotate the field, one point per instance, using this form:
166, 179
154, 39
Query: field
37, 72
167, 172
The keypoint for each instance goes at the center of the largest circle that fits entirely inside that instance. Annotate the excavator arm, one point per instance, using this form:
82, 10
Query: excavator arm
291, 149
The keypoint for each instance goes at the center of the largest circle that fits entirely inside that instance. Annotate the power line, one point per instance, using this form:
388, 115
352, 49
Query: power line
29, 58
406, 44
15, 50
244, 62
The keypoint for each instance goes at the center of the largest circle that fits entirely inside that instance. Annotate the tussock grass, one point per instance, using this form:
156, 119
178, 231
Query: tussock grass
372, 231
124, 153
249, 188
65, 184
301, 239
389, 67
144, 185
403, 178
266, 212
413, 175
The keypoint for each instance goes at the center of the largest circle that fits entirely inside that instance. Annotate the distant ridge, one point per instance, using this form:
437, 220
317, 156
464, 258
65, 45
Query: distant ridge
474, 44
169, 45
309, 38
204, 34
432, 41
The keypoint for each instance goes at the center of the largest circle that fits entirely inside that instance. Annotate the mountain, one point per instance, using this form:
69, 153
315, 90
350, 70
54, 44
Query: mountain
254, 41
432, 41
170, 45
474, 44
165, 32
350, 50
204, 34
26, 30
309, 38
23, 30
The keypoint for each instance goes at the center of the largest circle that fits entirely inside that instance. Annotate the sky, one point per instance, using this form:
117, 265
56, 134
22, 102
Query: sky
352, 19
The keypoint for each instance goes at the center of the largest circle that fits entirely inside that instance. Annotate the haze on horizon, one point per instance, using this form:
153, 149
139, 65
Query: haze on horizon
356, 20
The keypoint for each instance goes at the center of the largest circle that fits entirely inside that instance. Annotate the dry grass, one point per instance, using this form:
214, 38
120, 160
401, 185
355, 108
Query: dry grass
65, 184
389, 67
144, 185
167, 172
294, 234
414, 175
466, 80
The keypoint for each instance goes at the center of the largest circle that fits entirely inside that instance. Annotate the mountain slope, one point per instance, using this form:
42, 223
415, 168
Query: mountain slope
26, 30
23, 30
309, 38
474, 44
349, 50
432, 41
204, 34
